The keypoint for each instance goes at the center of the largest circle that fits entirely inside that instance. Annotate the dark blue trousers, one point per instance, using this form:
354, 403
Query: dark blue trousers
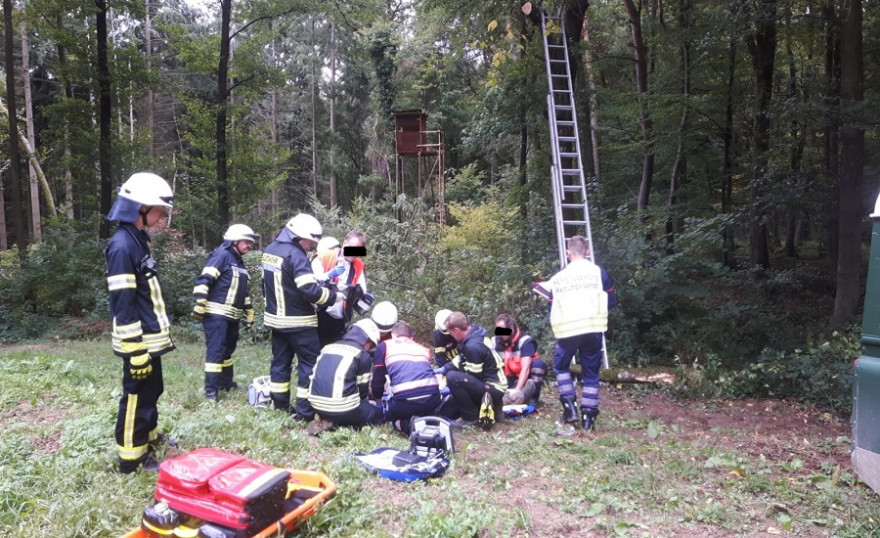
305, 345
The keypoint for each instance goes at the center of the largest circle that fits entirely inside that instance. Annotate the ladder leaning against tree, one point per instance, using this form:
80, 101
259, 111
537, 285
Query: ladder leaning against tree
570, 206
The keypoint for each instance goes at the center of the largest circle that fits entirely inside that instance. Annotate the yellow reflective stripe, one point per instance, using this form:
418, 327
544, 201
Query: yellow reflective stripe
227, 362
305, 280
472, 368
212, 272
225, 310
302, 392
247, 302
201, 289
121, 282
132, 330
325, 295
158, 341
132, 453
128, 424
280, 303
364, 378
154, 434
275, 321
439, 349
213, 368
335, 405
233, 289
400, 387
158, 303
279, 387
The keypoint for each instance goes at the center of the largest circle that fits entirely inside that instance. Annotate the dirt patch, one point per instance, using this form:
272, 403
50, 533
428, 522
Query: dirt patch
27, 414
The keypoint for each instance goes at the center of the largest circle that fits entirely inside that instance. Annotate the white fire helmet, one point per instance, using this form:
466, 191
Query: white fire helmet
440, 320
147, 189
369, 329
327, 243
384, 315
305, 226
240, 232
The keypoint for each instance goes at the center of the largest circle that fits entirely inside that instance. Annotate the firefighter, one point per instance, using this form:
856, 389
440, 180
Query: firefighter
384, 316
340, 381
413, 388
523, 367
477, 371
343, 267
140, 332
292, 291
222, 301
445, 346
580, 296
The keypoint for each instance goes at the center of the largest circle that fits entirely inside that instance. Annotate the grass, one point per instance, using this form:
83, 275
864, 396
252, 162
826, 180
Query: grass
637, 476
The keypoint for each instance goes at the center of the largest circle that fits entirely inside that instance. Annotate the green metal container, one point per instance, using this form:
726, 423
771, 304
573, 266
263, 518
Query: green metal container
866, 384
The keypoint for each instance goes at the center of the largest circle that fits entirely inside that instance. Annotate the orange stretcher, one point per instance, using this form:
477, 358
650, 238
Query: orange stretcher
314, 487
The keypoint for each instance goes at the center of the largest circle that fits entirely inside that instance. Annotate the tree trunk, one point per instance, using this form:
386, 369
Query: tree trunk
645, 122
148, 50
222, 96
334, 194
68, 93
832, 126
797, 149
35, 222
14, 158
762, 46
728, 246
105, 117
679, 165
594, 104
852, 143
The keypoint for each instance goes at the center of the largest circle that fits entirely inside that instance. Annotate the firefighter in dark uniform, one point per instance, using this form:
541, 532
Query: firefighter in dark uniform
222, 302
444, 344
413, 387
523, 367
340, 381
140, 330
475, 372
291, 291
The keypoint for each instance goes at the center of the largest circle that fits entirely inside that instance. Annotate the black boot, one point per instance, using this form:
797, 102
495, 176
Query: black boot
569, 409
588, 417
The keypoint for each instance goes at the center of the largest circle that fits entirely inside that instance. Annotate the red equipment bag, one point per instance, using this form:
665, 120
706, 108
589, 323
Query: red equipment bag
226, 489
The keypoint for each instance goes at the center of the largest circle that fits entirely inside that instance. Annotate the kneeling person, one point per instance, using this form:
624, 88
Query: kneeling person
523, 367
339, 384
413, 386
476, 371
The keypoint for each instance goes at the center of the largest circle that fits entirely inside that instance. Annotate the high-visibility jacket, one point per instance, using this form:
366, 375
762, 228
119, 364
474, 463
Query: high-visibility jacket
353, 276
580, 299
512, 352
477, 356
341, 377
445, 347
223, 283
408, 367
290, 288
136, 302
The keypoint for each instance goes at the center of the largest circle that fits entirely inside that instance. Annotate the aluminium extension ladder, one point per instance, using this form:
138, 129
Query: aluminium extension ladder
570, 206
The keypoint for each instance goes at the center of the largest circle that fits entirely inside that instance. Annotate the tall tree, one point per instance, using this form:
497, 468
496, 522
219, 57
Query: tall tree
104, 116
646, 123
762, 47
852, 144
14, 158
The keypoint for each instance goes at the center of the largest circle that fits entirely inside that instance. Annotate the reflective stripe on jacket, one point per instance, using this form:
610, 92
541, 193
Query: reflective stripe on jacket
224, 283
136, 302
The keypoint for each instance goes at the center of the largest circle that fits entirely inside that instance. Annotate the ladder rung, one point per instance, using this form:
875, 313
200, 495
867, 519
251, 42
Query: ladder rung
571, 171
572, 206
568, 154
572, 188
574, 223
565, 123
566, 138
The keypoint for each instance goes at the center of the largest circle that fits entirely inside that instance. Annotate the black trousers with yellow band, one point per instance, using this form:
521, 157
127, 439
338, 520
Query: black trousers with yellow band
138, 415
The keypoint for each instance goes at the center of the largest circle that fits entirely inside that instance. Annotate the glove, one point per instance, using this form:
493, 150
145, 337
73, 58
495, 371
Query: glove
336, 271
248, 318
198, 311
140, 365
